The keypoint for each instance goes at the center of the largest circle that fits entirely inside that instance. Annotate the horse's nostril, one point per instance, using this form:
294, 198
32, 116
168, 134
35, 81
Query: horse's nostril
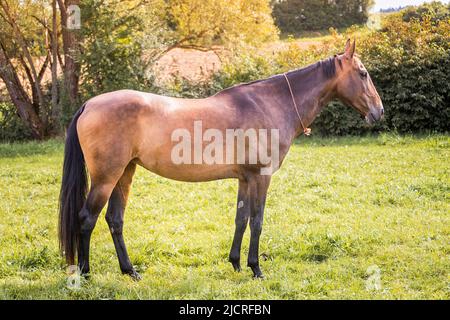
382, 111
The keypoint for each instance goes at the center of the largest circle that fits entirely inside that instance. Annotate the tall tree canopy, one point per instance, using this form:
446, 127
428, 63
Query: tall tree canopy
200, 23
293, 16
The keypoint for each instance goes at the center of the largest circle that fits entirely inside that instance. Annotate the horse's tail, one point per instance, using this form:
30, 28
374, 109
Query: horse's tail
73, 192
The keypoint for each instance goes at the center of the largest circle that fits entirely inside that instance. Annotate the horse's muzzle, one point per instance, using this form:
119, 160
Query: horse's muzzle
375, 114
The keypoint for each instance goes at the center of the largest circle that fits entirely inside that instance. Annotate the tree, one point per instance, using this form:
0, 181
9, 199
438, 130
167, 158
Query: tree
122, 38
71, 45
56, 110
201, 23
21, 41
112, 49
294, 16
111, 52
205, 25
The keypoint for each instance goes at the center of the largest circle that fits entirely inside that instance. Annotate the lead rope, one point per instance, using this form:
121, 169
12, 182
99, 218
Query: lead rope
306, 131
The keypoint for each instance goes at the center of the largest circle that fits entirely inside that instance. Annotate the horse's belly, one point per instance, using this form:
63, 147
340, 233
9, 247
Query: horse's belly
190, 172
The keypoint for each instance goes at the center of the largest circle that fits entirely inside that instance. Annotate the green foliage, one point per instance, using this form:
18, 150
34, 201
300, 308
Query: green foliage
294, 16
436, 10
30, 12
409, 63
11, 126
333, 211
244, 68
200, 23
112, 54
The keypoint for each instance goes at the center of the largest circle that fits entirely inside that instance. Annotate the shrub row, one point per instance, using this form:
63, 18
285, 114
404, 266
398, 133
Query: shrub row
294, 16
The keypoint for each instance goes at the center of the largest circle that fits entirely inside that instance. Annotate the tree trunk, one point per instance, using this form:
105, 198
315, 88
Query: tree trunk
71, 40
20, 39
19, 97
56, 112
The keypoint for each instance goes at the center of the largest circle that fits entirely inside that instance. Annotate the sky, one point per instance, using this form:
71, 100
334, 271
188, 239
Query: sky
384, 4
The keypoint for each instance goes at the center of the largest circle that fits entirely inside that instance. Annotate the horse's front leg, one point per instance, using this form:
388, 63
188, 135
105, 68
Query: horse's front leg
242, 215
258, 191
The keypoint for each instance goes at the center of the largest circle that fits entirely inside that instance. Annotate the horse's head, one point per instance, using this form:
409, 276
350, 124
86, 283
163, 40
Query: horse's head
355, 87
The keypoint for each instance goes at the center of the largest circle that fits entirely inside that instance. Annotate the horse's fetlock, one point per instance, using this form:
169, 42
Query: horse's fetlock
233, 258
253, 263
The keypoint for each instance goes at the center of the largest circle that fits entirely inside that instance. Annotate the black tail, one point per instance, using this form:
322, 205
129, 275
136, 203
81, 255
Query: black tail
73, 192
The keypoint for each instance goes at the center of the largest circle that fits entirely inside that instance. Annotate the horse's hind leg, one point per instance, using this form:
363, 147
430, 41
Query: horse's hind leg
114, 217
96, 200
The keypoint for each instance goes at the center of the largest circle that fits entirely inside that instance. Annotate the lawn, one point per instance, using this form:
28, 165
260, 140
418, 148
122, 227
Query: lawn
342, 214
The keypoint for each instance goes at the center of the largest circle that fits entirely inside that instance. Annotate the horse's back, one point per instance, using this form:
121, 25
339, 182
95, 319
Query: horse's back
120, 126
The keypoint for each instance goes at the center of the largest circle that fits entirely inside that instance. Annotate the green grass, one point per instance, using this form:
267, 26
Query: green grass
336, 208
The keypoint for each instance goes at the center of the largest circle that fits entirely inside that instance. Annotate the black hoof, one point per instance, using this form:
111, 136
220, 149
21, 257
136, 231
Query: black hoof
86, 275
257, 274
133, 274
236, 264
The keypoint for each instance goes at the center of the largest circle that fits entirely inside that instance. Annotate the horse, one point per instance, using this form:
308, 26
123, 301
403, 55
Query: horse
114, 132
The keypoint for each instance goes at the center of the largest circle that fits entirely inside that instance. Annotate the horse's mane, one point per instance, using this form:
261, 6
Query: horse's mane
327, 65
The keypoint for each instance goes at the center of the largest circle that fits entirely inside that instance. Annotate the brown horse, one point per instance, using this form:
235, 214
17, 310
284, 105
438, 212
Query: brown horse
114, 132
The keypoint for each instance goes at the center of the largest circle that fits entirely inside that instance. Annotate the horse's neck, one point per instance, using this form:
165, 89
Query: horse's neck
312, 92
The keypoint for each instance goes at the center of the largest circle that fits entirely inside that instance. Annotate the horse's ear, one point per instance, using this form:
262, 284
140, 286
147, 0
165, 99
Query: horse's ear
350, 49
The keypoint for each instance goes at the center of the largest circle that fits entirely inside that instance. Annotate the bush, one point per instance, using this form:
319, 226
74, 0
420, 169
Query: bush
294, 16
11, 127
112, 55
410, 63
436, 10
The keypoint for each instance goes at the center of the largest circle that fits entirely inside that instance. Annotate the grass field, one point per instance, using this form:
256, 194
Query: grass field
337, 210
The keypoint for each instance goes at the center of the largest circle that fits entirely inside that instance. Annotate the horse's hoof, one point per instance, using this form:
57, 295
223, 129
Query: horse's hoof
236, 266
134, 275
257, 274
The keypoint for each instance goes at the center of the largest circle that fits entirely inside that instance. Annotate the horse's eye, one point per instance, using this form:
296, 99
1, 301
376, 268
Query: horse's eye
363, 74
